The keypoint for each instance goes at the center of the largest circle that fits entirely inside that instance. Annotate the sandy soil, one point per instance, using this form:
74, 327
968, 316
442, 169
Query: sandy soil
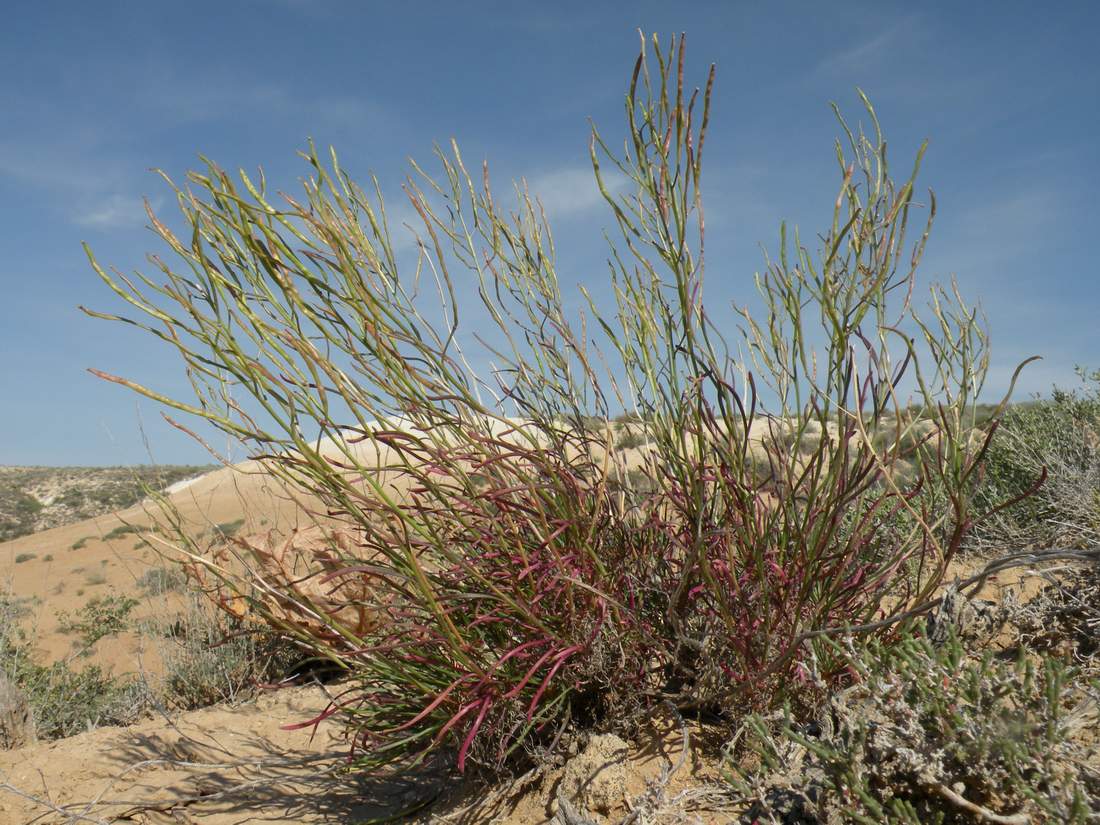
226, 765
73, 564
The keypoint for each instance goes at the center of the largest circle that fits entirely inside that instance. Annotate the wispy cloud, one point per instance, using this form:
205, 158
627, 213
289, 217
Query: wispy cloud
570, 191
92, 169
864, 55
79, 176
116, 211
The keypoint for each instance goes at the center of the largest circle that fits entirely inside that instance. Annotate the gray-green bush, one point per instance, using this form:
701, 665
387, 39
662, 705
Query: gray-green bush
932, 735
210, 657
1058, 438
65, 700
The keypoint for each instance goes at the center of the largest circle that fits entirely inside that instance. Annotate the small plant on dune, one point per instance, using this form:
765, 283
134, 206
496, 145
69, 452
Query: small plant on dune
120, 531
480, 577
159, 580
211, 657
933, 735
25, 557
102, 616
64, 701
230, 528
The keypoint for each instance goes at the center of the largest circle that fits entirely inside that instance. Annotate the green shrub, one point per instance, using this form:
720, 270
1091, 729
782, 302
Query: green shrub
1059, 437
512, 589
102, 616
210, 657
13, 609
65, 701
122, 530
80, 544
631, 440
71, 497
159, 580
934, 736
23, 557
229, 528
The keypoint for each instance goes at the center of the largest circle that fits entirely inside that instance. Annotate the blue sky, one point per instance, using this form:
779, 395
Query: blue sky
94, 94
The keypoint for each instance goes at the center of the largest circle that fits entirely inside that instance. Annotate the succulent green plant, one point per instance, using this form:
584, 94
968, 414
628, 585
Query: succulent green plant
509, 592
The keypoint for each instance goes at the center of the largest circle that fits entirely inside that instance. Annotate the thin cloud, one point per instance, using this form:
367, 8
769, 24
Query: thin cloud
865, 55
116, 211
570, 191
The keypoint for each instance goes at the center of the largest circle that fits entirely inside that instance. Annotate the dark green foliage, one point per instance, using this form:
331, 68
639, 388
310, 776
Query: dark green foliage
121, 530
631, 439
22, 557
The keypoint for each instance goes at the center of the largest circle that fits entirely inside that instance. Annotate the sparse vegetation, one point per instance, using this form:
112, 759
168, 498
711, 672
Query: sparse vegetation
24, 557
208, 658
65, 701
631, 439
38, 498
1058, 438
122, 530
229, 528
211, 657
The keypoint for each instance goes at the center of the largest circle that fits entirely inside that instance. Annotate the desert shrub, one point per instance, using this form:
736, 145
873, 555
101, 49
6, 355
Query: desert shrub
120, 531
14, 608
66, 701
102, 616
80, 543
159, 580
1064, 618
631, 439
931, 735
1058, 437
211, 657
491, 586
230, 528
24, 557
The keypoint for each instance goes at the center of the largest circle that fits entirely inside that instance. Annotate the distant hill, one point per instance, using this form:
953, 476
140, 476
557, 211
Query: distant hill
38, 498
